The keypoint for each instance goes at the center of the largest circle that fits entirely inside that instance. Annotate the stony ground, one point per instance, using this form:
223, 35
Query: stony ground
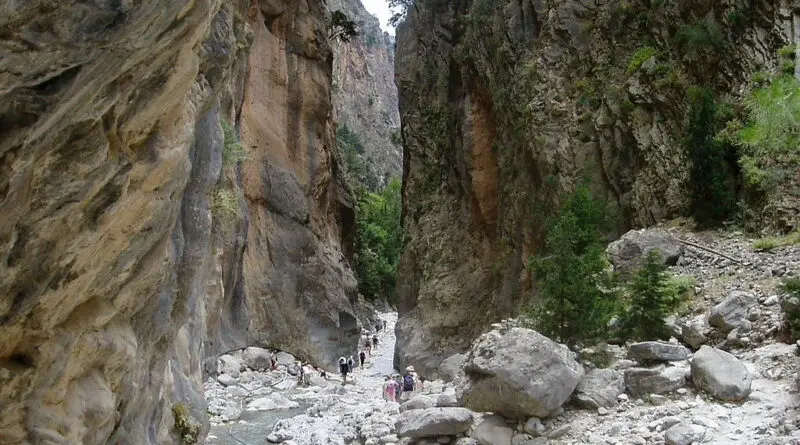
328, 412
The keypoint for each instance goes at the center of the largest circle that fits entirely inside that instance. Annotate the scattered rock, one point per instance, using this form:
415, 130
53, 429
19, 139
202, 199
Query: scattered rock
729, 314
683, 434
433, 422
534, 427
226, 379
721, 374
228, 364
657, 351
272, 402
493, 431
599, 388
518, 373
656, 380
446, 400
630, 251
285, 359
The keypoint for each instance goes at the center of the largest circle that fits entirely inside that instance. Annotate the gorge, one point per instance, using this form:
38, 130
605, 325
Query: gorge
174, 187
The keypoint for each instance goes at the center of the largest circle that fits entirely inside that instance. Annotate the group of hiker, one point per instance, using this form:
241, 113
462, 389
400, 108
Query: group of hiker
369, 343
398, 388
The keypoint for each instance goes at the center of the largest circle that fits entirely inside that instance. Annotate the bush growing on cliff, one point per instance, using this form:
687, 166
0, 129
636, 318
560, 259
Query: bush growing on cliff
577, 291
713, 175
357, 172
379, 240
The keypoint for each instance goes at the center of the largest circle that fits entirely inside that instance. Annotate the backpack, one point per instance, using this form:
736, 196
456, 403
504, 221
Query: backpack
408, 383
342, 361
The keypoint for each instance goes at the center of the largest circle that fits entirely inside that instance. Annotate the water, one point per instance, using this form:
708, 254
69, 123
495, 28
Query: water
252, 427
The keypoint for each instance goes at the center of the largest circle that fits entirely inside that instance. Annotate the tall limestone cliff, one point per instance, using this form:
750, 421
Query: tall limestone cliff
139, 238
507, 104
365, 95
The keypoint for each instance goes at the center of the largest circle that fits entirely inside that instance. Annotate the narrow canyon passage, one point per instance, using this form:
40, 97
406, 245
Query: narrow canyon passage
326, 412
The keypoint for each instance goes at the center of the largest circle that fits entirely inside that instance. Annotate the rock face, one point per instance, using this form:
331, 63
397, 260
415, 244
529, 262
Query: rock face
136, 241
506, 107
721, 374
518, 373
364, 93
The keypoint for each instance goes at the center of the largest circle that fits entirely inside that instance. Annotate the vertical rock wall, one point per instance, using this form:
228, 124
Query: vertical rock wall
507, 105
116, 279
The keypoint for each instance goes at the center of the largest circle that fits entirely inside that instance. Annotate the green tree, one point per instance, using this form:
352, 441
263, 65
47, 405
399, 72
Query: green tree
342, 28
713, 178
651, 300
378, 243
577, 292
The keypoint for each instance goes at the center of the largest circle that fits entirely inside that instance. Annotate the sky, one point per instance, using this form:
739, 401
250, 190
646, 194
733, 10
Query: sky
380, 8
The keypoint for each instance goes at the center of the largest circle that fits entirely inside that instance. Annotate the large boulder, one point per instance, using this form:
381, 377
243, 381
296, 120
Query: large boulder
693, 332
256, 358
732, 311
446, 400
228, 364
493, 431
656, 380
418, 402
599, 388
518, 373
657, 351
284, 358
431, 422
630, 251
721, 374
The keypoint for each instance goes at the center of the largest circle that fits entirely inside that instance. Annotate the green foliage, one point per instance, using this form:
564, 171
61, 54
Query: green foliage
652, 297
358, 171
225, 209
379, 240
712, 177
704, 34
770, 243
571, 274
788, 51
189, 432
232, 151
342, 28
399, 10
791, 309
639, 57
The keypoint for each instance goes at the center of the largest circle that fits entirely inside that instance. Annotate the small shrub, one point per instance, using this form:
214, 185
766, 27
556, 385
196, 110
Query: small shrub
225, 208
790, 303
770, 243
704, 34
788, 51
232, 151
651, 300
639, 57
189, 432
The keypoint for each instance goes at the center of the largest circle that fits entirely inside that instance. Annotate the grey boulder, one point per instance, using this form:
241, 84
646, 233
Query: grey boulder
656, 380
451, 366
657, 351
732, 311
284, 358
518, 373
418, 402
493, 431
599, 388
445, 400
256, 358
684, 434
721, 374
431, 422
228, 364
630, 251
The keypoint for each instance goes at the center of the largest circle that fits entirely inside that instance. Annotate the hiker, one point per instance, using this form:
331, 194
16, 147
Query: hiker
368, 346
300, 370
323, 374
307, 374
375, 341
362, 356
343, 369
398, 387
409, 379
351, 363
384, 325
389, 389
377, 328
273, 360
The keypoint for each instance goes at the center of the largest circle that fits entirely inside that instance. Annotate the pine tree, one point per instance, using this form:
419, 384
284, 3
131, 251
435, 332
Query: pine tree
651, 300
571, 274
